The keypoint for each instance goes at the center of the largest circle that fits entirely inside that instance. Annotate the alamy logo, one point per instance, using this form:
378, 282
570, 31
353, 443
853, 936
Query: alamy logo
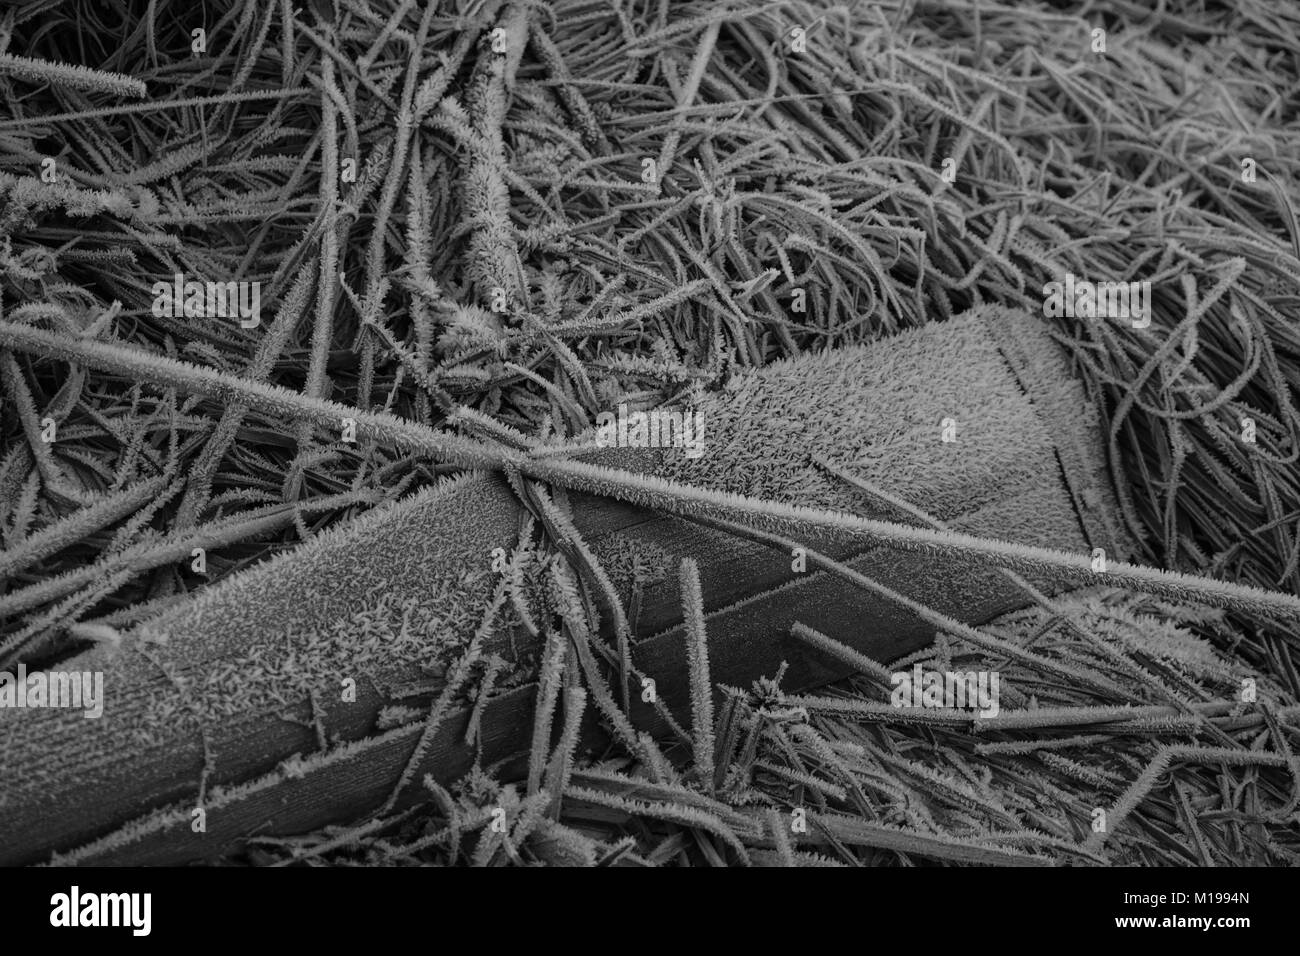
102, 909
1077, 298
83, 689
208, 300
946, 690
658, 428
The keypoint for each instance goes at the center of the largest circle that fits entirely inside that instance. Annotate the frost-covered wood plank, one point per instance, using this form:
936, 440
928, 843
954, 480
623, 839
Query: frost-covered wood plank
222, 688
1001, 478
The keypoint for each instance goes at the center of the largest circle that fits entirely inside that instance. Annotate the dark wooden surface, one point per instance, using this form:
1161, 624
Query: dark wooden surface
752, 597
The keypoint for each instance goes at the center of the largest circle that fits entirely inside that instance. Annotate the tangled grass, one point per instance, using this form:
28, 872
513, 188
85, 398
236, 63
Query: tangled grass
496, 236
1158, 766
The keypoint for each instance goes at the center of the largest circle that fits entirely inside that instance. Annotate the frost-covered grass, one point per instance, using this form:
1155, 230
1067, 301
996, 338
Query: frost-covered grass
652, 187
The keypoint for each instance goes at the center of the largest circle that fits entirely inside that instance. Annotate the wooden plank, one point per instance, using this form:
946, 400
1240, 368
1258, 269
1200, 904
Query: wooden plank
230, 675
344, 783
66, 782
